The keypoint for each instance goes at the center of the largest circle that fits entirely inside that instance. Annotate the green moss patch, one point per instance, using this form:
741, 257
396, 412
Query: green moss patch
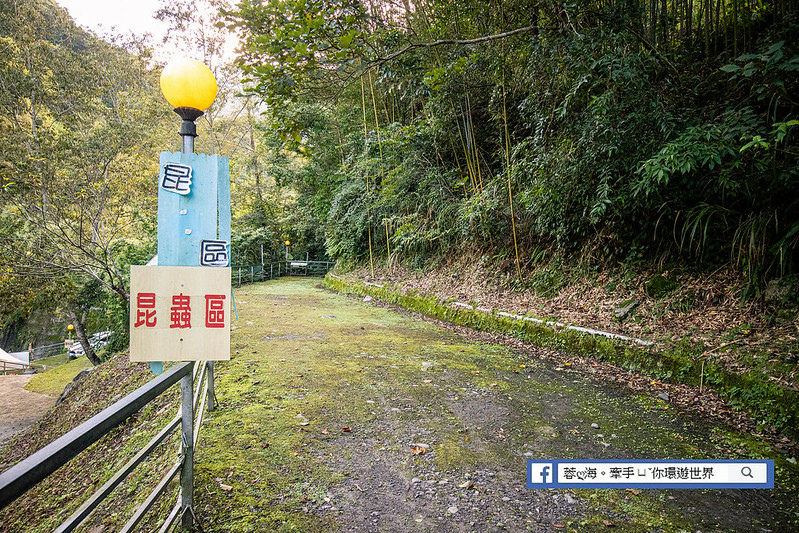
54, 379
753, 392
327, 403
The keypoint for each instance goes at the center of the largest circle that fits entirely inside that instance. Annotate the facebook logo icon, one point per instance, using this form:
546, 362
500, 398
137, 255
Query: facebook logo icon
540, 475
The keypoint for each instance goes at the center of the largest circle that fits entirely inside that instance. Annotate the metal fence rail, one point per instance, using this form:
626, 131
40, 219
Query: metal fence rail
254, 273
18, 479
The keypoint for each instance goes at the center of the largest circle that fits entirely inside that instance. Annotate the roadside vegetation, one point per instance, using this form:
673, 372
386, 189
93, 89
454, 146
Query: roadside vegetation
53, 380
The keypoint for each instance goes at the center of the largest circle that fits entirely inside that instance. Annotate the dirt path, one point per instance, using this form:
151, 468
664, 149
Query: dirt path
328, 403
18, 407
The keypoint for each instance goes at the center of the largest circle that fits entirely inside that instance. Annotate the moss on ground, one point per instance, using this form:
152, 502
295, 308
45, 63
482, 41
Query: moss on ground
326, 403
766, 401
325, 398
55, 378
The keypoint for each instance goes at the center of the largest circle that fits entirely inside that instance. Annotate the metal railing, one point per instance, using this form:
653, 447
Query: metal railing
254, 273
9, 366
49, 350
23, 476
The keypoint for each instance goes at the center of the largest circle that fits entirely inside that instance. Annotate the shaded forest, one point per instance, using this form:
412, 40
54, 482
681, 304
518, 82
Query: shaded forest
656, 131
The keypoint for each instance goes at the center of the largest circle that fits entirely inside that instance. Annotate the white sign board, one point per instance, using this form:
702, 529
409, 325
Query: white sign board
179, 313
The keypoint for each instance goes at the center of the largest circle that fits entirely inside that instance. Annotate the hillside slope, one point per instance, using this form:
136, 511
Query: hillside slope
45, 506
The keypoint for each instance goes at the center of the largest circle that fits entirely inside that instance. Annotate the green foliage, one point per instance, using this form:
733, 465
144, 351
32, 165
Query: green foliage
247, 245
658, 134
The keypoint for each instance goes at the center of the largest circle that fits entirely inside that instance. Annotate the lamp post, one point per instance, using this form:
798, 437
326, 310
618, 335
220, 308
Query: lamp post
288, 243
190, 87
193, 231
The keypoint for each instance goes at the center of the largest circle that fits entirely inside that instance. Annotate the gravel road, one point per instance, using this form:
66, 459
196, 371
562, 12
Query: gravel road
20, 408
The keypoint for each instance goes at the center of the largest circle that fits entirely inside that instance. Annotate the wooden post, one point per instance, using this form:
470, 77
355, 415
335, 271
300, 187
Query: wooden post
187, 470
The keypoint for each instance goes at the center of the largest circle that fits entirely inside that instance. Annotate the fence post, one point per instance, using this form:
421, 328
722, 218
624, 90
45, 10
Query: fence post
210, 387
270, 271
187, 471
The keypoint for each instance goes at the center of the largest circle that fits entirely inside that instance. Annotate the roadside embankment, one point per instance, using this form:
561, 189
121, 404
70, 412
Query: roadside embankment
768, 404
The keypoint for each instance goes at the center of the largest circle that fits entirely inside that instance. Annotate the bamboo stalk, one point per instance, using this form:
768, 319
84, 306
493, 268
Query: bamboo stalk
465, 150
388, 246
507, 166
368, 217
474, 143
377, 123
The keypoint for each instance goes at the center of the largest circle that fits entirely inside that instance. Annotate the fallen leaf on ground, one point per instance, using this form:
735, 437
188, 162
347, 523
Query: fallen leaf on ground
225, 487
346, 429
466, 485
428, 381
632, 490
608, 523
418, 450
325, 432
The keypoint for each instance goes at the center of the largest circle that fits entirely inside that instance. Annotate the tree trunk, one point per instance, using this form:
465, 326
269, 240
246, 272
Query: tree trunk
79, 321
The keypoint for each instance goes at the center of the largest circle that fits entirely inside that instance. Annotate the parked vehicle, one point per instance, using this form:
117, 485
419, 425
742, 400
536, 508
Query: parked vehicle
96, 341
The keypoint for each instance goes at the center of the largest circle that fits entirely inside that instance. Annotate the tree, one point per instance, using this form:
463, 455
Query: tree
613, 126
81, 120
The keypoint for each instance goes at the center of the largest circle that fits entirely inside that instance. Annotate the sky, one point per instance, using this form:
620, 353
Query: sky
123, 16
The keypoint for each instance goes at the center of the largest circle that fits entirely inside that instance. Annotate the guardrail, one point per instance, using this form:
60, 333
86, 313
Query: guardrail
251, 274
49, 350
23, 476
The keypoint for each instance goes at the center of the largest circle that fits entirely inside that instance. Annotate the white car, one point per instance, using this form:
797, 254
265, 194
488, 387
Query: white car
97, 340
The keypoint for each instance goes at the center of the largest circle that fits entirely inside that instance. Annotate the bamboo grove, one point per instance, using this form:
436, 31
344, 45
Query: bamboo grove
619, 129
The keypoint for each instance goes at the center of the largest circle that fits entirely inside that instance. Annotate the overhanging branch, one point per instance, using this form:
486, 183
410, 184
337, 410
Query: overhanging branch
476, 40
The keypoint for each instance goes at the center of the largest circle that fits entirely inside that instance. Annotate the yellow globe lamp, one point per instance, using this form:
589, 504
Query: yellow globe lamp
70, 327
190, 87
288, 243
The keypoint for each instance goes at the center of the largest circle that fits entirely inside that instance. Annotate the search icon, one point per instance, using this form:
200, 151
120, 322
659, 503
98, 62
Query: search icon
747, 472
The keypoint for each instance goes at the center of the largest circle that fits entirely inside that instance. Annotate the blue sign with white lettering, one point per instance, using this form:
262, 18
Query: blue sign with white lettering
650, 474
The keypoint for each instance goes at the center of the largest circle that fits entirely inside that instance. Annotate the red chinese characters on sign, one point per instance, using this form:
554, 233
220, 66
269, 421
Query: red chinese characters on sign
214, 311
192, 306
145, 310
180, 312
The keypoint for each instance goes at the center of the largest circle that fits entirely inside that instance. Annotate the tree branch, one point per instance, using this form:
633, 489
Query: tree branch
443, 42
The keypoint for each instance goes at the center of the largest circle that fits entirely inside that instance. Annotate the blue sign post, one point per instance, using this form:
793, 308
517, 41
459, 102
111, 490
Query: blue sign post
193, 210
193, 189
